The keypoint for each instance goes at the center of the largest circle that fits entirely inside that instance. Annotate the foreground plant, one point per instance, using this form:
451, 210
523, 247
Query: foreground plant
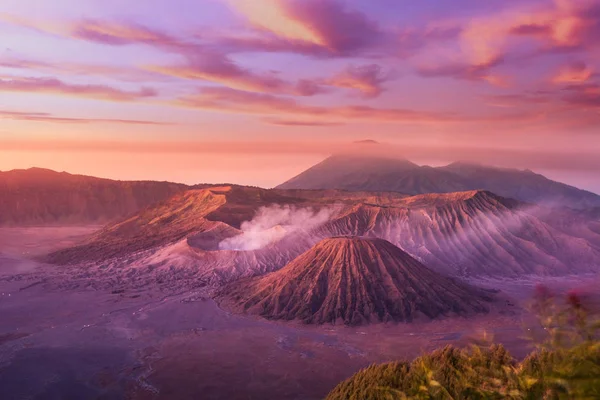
565, 365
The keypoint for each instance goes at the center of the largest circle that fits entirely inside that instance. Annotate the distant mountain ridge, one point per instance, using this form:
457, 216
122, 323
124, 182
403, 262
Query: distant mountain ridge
39, 196
372, 173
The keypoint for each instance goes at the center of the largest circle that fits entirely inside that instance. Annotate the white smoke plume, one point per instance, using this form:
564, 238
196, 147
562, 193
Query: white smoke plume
273, 223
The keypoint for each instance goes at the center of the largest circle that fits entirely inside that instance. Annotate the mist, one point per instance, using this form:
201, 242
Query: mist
273, 223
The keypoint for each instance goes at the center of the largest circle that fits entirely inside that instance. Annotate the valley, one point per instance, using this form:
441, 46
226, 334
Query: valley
229, 291
145, 344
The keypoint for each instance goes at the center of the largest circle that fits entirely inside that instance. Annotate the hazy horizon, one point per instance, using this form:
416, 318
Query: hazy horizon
267, 181
100, 89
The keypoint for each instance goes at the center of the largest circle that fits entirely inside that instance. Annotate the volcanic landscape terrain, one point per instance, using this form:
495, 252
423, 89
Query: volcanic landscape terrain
158, 291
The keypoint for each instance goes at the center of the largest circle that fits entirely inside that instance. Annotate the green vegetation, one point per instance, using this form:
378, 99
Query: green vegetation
565, 365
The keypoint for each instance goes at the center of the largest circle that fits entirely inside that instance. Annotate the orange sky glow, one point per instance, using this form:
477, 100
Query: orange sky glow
254, 92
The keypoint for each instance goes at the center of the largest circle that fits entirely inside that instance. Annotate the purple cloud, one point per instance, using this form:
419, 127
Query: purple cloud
367, 79
56, 86
47, 117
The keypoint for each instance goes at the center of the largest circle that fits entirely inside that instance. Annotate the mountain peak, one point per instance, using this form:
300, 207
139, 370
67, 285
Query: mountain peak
350, 170
381, 172
360, 280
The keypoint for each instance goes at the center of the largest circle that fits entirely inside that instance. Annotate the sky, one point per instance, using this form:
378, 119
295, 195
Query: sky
255, 91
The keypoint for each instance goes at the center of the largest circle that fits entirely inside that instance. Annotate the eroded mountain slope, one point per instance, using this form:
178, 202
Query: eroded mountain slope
473, 234
354, 280
44, 197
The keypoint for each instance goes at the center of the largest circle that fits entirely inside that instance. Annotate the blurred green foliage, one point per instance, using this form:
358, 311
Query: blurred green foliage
564, 365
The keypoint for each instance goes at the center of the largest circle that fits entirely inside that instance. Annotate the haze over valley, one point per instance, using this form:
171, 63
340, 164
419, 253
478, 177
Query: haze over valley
299, 199
181, 277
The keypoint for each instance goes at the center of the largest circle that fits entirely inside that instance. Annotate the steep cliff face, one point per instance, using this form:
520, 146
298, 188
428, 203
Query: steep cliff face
164, 223
354, 280
43, 197
473, 234
202, 217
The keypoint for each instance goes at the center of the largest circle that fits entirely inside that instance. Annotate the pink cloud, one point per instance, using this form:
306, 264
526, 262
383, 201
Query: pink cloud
328, 24
584, 95
376, 42
47, 117
519, 32
340, 29
559, 25
566, 24
308, 87
572, 106
123, 33
129, 74
111, 33
202, 62
217, 67
477, 72
531, 29
367, 79
271, 44
576, 72
56, 86
240, 102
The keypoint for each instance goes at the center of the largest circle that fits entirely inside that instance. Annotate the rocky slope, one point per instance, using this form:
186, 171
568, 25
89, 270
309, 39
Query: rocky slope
44, 197
353, 280
201, 217
473, 234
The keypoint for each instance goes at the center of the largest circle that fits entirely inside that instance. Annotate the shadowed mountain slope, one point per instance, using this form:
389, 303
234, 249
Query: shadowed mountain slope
524, 185
372, 173
44, 197
353, 280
